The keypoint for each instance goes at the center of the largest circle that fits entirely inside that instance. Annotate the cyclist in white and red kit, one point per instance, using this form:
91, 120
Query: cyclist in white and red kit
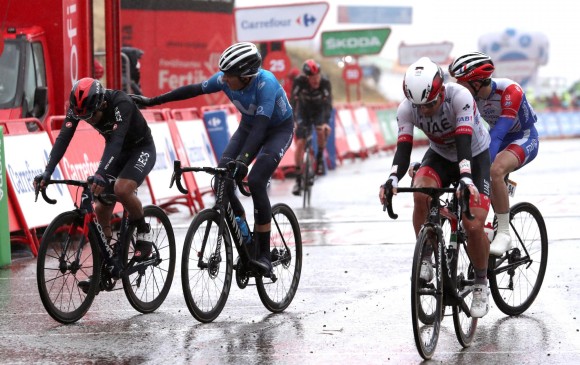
514, 139
458, 152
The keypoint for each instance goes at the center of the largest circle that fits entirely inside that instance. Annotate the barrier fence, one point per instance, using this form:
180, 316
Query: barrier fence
197, 138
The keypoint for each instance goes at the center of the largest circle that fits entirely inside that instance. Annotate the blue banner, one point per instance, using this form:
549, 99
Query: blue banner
217, 129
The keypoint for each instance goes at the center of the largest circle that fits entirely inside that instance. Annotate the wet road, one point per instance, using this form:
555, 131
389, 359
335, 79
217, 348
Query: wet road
353, 302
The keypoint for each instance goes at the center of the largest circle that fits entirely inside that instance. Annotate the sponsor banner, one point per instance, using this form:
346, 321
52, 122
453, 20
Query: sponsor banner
363, 120
437, 52
375, 14
217, 129
160, 176
198, 149
354, 42
5, 254
29, 155
280, 22
350, 130
174, 57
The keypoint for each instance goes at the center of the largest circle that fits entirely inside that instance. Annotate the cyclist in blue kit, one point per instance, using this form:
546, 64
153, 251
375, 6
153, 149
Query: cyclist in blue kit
264, 134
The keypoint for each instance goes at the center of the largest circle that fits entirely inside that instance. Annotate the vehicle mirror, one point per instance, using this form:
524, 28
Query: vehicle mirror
40, 101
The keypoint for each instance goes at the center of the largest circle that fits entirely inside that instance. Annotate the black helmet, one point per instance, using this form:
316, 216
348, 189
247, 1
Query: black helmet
86, 97
241, 59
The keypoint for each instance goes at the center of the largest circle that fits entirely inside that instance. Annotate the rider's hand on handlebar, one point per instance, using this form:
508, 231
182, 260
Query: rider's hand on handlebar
98, 184
467, 183
413, 167
390, 185
41, 179
240, 170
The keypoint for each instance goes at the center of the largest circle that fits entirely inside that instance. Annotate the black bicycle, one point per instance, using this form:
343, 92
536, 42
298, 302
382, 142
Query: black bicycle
453, 279
516, 277
308, 172
74, 248
207, 261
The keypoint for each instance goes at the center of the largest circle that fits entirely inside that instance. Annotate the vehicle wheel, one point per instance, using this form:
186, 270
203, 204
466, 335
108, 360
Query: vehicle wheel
206, 272
147, 288
426, 297
286, 254
58, 271
516, 277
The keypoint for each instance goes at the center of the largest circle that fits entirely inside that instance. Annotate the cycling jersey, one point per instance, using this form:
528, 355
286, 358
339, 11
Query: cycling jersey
508, 114
457, 115
311, 106
122, 125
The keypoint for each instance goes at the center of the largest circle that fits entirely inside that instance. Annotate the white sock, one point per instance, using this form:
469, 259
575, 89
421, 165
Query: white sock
503, 222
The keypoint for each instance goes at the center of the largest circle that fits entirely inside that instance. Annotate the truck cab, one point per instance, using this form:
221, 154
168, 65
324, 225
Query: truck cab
24, 75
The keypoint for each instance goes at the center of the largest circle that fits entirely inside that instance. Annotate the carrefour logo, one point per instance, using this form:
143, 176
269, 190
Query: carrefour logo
305, 20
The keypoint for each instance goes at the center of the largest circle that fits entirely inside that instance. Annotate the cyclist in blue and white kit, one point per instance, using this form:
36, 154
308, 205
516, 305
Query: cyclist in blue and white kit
514, 139
458, 152
264, 134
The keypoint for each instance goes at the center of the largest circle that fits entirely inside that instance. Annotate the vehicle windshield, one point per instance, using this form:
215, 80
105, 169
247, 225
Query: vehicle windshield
9, 61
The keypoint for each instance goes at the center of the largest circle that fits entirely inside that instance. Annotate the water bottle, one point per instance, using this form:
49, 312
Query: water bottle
246, 238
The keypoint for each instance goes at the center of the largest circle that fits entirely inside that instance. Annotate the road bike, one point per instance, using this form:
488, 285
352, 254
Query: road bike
308, 171
74, 248
207, 261
515, 278
453, 280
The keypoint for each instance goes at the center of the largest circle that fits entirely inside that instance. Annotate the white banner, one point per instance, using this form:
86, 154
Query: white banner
352, 138
26, 157
160, 176
363, 119
437, 52
198, 149
279, 23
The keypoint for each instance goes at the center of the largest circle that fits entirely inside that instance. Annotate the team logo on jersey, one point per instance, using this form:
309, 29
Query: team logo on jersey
261, 85
118, 116
68, 124
115, 126
466, 107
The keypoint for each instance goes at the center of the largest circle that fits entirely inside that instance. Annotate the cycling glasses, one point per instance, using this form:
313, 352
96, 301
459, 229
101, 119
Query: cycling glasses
428, 105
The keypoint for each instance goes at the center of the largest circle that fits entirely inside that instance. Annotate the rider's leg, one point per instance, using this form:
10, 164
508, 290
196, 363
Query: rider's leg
300, 144
322, 133
104, 213
504, 163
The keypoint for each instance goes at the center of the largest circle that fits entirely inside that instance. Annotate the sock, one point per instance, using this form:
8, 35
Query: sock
480, 276
503, 222
263, 241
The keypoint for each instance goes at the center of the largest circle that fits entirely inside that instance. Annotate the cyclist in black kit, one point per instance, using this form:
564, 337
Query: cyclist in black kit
311, 101
128, 157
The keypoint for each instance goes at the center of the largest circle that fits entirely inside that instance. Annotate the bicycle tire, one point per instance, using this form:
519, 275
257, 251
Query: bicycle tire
514, 291
59, 292
147, 288
464, 324
426, 334
206, 289
307, 176
286, 260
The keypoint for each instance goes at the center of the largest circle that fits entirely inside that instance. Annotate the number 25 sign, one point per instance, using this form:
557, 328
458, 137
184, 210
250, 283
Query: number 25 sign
278, 63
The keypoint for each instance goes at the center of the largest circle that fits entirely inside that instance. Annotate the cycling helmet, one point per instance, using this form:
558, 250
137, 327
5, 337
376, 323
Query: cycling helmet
472, 66
311, 67
241, 59
86, 97
423, 82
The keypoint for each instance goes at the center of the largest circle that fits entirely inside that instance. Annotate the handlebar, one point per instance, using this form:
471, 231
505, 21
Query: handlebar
224, 172
106, 199
434, 193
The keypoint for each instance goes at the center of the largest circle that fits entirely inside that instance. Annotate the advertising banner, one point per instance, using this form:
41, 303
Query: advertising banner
354, 42
217, 129
5, 254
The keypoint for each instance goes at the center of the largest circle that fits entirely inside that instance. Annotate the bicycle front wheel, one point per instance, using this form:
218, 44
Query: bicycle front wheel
516, 277
426, 296
147, 288
65, 258
206, 270
465, 325
286, 255
307, 176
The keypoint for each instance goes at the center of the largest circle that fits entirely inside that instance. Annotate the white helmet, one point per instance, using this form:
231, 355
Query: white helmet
423, 81
241, 59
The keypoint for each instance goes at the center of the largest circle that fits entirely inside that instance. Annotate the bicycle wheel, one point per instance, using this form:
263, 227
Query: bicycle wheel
147, 288
465, 325
307, 176
516, 277
65, 258
426, 296
286, 254
206, 273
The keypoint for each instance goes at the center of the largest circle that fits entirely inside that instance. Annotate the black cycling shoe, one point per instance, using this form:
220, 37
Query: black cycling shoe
264, 266
84, 285
297, 189
143, 250
320, 167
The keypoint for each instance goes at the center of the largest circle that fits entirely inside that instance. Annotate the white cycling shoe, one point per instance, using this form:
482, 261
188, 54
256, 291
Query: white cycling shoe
501, 243
480, 302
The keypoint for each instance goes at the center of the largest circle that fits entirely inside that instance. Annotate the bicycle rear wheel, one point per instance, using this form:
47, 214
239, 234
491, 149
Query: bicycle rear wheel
307, 176
286, 254
516, 277
58, 271
465, 325
206, 272
147, 288
426, 296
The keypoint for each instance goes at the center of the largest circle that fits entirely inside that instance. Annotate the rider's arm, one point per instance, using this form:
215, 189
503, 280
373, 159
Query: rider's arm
181, 93
511, 100
61, 143
255, 139
327, 102
402, 156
